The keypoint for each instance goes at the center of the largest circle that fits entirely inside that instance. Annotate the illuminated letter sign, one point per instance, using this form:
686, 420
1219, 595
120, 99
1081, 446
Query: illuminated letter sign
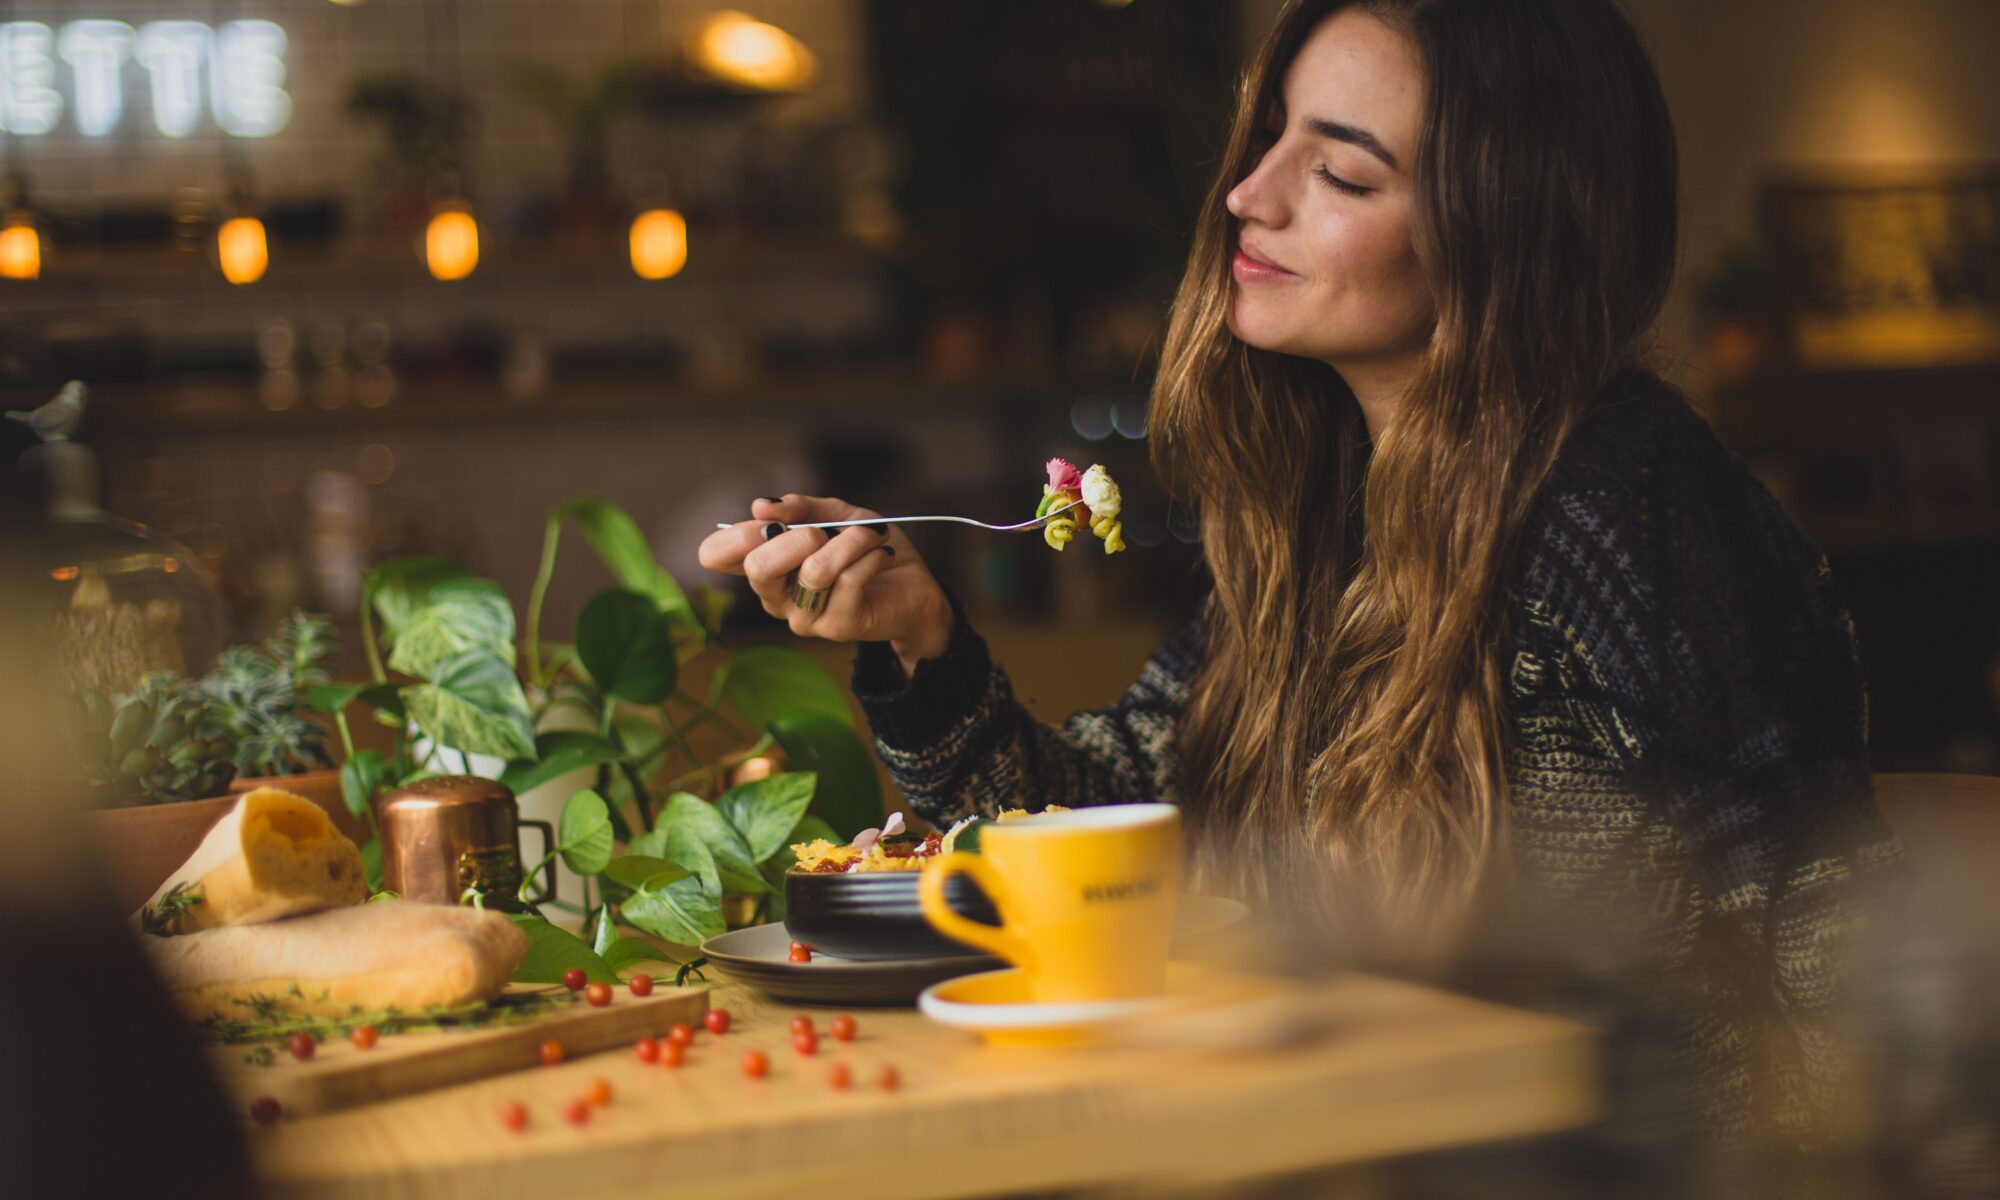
242, 61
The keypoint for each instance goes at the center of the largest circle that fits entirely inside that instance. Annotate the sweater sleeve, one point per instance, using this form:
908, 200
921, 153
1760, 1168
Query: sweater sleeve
1707, 634
959, 744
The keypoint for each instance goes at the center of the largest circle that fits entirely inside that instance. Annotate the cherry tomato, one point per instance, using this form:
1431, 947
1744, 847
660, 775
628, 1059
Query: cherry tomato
599, 994
673, 1054
641, 985
551, 1052
265, 1111
800, 953
843, 1028
302, 1046
756, 1064
364, 1036
717, 1020
574, 979
514, 1115
682, 1033
888, 1079
801, 1024
806, 1043
841, 1076
598, 1091
648, 1050
576, 1111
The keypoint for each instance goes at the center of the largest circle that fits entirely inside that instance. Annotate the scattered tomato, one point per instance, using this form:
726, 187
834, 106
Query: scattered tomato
841, 1076
843, 1028
648, 1050
673, 1054
551, 1052
717, 1020
888, 1079
364, 1036
800, 952
574, 979
801, 1024
514, 1115
682, 1033
756, 1064
576, 1111
598, 1091
265, 1111
599, 994
641, 985
302, 1046
806, 1043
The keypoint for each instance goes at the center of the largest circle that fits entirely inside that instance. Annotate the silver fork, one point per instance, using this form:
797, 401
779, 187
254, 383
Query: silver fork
1016, 527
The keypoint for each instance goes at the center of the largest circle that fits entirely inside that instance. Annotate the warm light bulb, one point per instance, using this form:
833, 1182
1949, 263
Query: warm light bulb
659, 243
451, 244
241, 249
749, 52
20, 248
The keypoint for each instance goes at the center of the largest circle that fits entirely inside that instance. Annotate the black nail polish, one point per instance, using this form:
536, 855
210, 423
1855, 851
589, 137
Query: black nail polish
774, 499
773, 530
889, 550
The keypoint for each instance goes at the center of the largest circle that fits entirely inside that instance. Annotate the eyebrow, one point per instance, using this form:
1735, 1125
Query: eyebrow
1353, 137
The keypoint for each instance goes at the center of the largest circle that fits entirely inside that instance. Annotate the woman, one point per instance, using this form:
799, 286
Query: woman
1498, 628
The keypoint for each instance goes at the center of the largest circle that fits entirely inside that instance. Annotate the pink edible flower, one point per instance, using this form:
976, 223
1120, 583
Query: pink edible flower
868, 837
1064, 477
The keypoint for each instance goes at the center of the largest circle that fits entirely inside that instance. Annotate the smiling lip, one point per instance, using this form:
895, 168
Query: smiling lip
1248, 268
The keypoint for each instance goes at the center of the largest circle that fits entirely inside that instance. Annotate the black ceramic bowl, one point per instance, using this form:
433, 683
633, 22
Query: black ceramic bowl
875, 914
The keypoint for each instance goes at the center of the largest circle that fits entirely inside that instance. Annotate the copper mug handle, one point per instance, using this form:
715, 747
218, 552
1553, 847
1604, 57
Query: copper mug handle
548, 849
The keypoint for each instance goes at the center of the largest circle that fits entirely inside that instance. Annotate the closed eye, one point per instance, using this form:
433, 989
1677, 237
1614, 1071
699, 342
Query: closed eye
1340, 185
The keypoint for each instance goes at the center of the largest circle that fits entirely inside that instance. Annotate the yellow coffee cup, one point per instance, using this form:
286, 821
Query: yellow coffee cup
1086, 899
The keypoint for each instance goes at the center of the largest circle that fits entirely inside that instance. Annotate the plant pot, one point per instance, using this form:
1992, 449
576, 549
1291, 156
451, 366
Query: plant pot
320, 787
141, 846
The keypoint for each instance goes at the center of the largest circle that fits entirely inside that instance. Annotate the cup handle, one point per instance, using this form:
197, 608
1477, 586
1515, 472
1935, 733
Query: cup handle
930, 895
548, 847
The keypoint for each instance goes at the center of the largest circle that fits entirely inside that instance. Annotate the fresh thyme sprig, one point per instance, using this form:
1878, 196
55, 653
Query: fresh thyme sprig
271, 1019
167, 917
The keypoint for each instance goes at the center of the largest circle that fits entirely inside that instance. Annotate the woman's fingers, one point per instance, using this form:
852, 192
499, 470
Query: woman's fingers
845, 617
769, 566
724, 550
824, 566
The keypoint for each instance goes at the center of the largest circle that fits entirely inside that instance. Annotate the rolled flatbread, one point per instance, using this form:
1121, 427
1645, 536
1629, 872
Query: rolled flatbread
274, 855
388, 954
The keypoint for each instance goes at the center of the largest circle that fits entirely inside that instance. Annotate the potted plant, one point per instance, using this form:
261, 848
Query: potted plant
658, 844
156, 765
262, 694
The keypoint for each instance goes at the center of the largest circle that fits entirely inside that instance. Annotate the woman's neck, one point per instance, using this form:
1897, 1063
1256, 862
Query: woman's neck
1379, 386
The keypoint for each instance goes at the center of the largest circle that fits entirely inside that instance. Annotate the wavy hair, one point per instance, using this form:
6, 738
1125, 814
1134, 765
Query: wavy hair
1345, 733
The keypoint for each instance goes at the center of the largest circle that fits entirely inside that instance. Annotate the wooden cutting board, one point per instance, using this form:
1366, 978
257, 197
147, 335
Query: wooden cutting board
340, 1075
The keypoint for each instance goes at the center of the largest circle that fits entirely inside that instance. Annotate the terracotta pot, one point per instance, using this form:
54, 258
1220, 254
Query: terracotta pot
320, 787
142, 846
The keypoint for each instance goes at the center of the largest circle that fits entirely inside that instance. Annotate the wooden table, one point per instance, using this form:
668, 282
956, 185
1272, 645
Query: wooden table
1399, 1069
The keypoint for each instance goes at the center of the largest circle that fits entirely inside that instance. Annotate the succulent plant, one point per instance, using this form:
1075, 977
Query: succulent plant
259, 693
161, 743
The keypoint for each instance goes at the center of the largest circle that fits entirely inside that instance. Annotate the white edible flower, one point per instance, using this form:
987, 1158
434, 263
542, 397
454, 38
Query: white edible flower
1100, 493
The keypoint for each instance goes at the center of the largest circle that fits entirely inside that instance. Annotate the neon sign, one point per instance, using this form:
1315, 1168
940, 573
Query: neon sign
242, 64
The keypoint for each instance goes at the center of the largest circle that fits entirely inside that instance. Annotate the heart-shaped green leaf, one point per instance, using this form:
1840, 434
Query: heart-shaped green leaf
627, 646
584, 833
678, 843
636, 870
551, 951
631, 951
473, 703
360, 778
848, 795
698, 818
456, 615
615, 536
682, 912
401, 586
765, 810
557, 753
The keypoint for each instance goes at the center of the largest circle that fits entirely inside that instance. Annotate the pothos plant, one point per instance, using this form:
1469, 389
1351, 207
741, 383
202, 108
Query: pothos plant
660, 841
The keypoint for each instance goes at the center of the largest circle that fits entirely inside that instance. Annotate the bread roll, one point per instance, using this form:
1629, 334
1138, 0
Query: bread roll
274, 855
388, 954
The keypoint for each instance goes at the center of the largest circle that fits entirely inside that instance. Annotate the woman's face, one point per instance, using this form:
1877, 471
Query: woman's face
1324, 265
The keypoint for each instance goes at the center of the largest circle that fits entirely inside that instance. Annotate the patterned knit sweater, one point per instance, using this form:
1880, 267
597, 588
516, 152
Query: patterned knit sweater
1686, 753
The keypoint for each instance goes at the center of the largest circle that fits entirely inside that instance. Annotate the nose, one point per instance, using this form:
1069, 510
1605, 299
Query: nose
1258, 198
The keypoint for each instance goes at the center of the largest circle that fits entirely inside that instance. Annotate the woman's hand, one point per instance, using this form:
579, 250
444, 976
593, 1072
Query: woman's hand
878, 589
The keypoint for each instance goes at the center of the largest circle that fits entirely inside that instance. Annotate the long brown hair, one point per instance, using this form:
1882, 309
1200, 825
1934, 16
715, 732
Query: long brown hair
1345, 732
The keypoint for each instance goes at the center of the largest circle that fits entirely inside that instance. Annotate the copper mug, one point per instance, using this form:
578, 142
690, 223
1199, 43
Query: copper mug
448, 833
